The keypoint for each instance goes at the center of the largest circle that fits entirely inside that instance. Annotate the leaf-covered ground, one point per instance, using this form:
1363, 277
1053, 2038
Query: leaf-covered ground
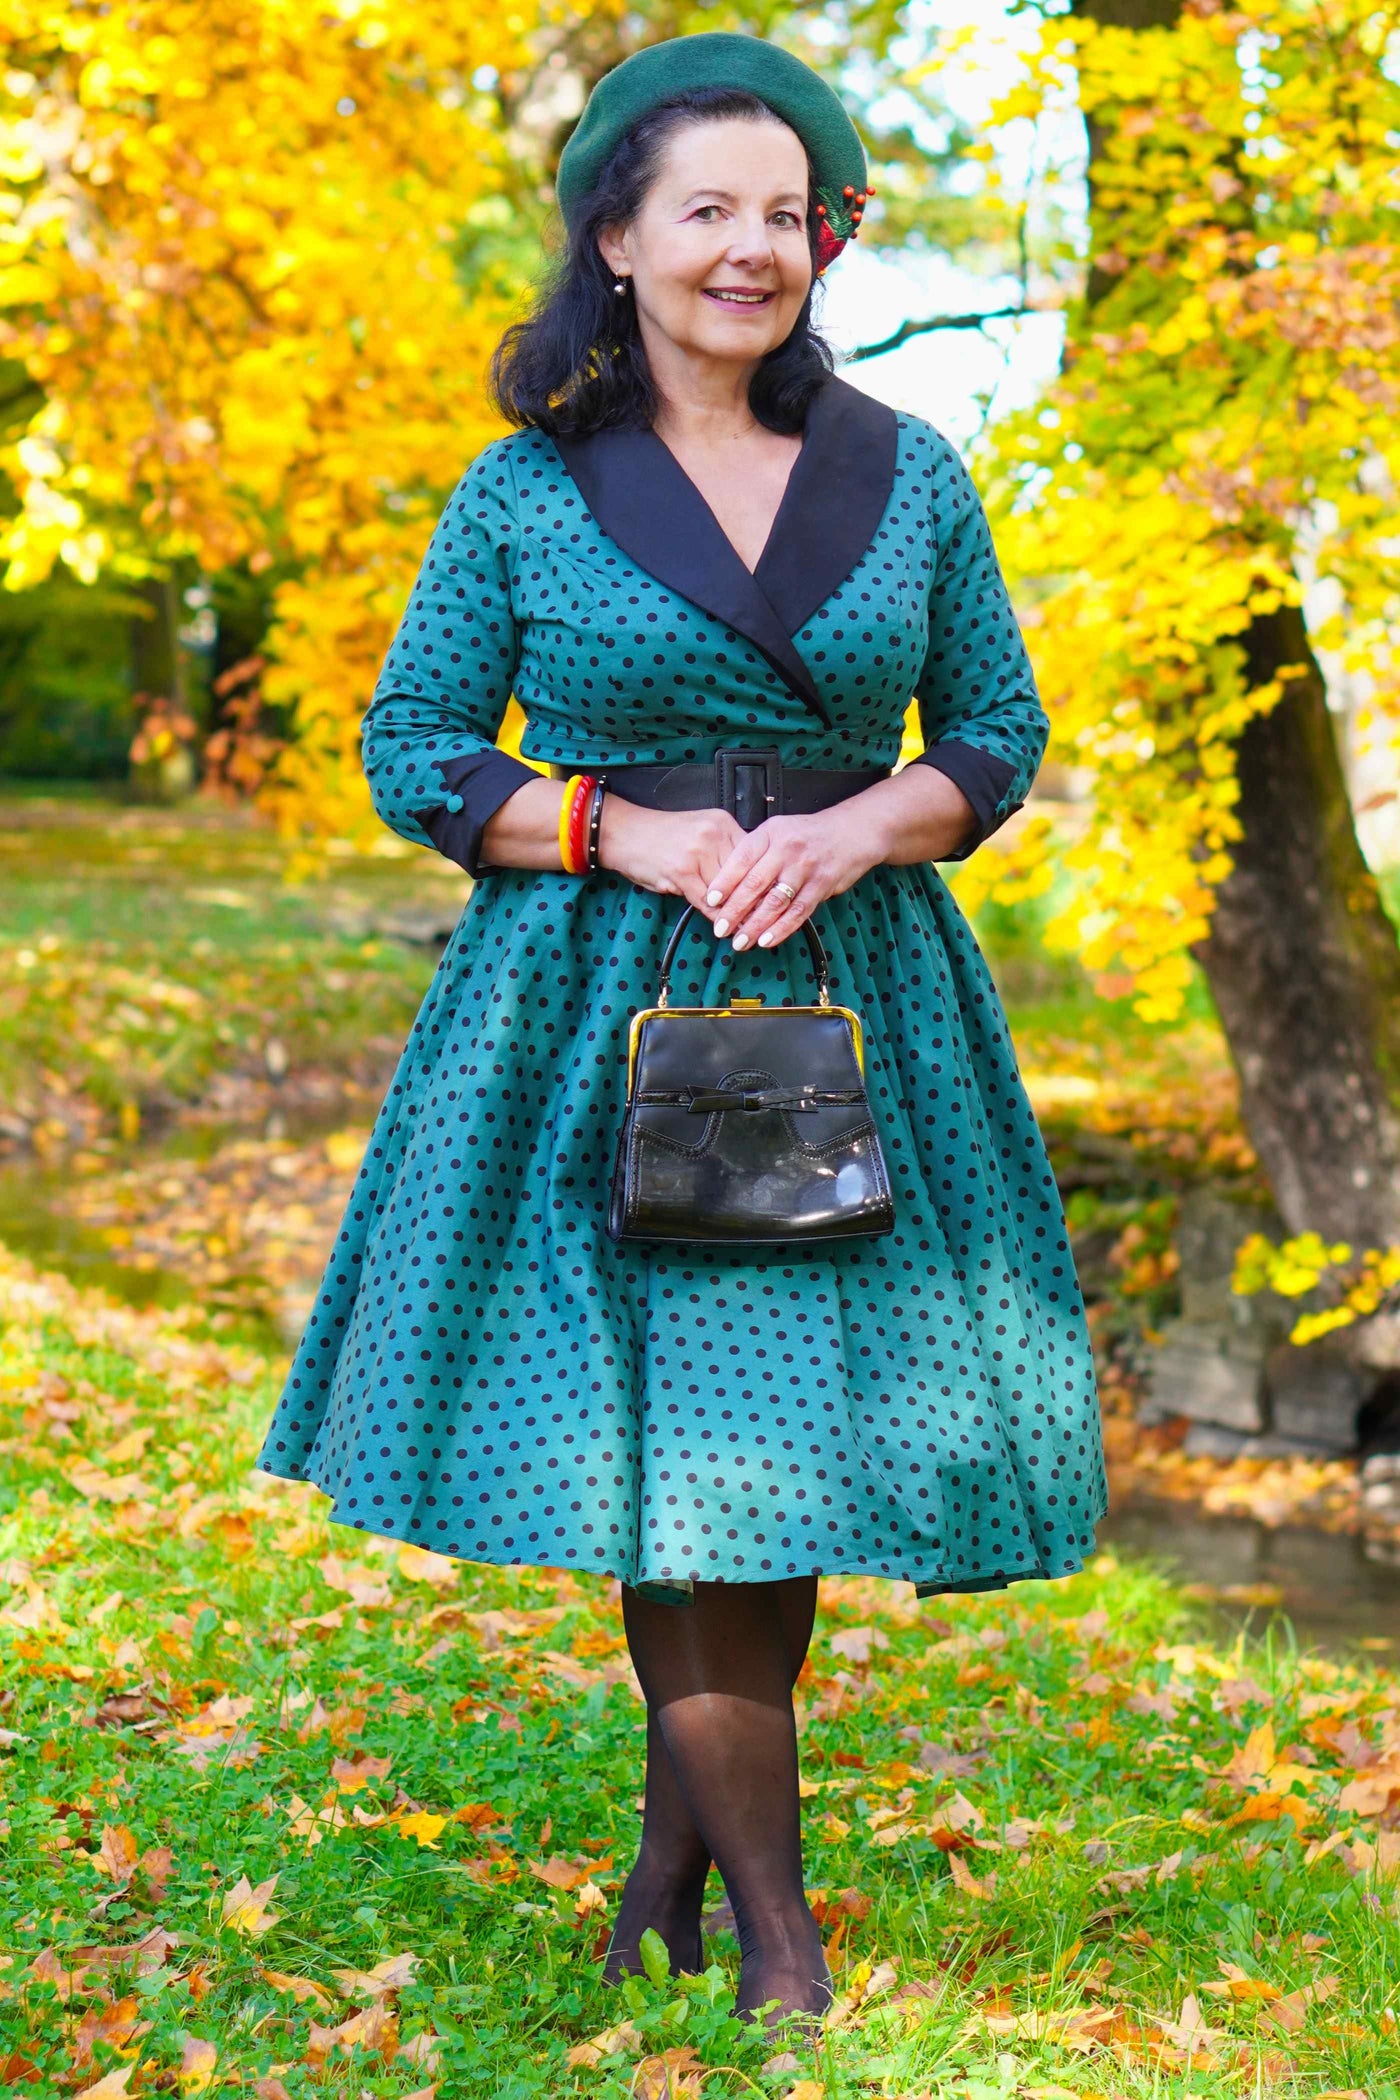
294, 1810
152, 961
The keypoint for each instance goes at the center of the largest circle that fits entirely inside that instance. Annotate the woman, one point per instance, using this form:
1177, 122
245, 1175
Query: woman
697, 540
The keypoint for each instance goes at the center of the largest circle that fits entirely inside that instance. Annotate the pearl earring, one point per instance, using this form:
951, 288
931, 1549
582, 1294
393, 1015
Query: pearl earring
620, 285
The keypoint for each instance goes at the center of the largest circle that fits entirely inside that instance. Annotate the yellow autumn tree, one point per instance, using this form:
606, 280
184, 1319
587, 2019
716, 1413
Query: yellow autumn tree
1230, 387
1223, 432
227, 284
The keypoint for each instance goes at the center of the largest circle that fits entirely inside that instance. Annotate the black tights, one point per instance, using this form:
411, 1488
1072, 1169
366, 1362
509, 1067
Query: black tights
721, 1785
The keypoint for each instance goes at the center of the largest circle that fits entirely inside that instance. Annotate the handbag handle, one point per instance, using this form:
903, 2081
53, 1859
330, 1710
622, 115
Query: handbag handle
814, 948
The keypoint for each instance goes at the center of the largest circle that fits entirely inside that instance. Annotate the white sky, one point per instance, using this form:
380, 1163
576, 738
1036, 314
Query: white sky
941, 376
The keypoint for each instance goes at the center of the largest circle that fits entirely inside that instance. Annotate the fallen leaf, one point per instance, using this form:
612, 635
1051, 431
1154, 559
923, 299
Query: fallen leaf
419, 1565
245, 1908
117, 1853
1189, 2030
480, 1815
197, 2061
854, 1643
676, 2074
1290, 2013
368, 1592
155, 1863
375, 2027
968, 1883
301, 1987
117, 2024
613, 2041
424, 1827
71, 1972
868, 1982
1240, 1986
351, 1773
392, 1974
109, 2088
561, 1873
1372, 1791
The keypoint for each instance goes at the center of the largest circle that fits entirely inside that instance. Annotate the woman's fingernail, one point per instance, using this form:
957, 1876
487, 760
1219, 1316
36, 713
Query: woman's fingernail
764, 939
714, 897
721, 927
741, 940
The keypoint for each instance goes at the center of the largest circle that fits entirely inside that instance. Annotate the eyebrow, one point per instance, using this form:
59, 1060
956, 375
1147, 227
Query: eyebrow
727, 196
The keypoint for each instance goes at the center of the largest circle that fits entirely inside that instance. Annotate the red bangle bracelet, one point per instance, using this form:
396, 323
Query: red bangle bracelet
578, 825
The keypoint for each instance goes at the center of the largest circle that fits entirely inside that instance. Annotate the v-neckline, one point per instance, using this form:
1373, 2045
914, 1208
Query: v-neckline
777, 515
647, 505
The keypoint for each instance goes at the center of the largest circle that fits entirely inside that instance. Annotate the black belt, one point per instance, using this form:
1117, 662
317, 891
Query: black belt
752, 784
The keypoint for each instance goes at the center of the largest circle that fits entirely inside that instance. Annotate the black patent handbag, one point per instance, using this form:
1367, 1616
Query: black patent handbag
747, 1122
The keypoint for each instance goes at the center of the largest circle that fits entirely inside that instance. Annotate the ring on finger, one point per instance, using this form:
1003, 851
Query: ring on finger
785, 889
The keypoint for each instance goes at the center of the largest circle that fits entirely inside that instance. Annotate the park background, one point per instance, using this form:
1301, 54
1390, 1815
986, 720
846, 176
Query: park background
288, 1809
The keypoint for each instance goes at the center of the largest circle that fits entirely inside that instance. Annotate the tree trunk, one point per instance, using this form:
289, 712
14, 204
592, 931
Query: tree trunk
1302, 959
1304, 967
157, 667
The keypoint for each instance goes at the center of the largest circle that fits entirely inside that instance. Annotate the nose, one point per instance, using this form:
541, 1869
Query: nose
752, 240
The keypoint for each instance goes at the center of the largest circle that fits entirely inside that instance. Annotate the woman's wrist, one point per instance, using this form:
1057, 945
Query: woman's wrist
617, 815
918, 814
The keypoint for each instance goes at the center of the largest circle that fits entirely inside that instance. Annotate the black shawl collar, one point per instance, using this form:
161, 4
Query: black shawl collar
840, 482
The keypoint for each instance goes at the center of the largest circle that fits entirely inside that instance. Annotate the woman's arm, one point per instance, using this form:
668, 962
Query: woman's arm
983, 725
429, 734
984, 731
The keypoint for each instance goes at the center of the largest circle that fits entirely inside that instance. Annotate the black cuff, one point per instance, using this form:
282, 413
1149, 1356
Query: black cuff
982, 778
480, 781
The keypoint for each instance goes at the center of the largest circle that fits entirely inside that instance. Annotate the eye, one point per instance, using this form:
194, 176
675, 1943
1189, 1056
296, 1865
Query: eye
791, 216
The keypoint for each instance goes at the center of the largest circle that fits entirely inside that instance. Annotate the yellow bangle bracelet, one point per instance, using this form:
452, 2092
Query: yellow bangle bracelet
564, 809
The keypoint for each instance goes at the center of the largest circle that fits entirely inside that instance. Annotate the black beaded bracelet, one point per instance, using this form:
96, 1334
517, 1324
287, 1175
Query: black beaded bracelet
595, 820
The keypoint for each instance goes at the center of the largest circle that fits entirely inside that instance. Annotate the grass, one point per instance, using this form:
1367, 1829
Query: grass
151, 958
288, 1809
356, 1817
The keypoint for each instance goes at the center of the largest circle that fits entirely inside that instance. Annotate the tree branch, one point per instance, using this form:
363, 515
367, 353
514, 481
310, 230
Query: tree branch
907, 329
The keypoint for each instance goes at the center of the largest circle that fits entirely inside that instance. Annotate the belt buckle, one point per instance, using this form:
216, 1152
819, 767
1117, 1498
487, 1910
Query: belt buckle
749, 783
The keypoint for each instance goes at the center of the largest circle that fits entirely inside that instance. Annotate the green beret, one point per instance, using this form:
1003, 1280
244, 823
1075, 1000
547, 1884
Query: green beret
719, 58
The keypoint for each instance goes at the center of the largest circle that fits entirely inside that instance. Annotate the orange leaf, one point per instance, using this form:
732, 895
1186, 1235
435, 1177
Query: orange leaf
561, 1873
301, 1987
480, 1815
117, 1854
968, 1883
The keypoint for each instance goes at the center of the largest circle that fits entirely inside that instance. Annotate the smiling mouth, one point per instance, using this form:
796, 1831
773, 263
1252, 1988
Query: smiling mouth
743, 301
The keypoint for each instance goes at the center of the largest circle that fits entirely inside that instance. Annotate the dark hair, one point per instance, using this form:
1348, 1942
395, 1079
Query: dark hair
576, 363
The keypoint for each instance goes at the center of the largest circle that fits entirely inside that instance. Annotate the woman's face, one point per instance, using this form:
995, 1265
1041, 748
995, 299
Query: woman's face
726, 215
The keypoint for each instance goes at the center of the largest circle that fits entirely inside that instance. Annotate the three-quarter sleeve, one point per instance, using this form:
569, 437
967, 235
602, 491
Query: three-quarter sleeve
979, 711
428, 737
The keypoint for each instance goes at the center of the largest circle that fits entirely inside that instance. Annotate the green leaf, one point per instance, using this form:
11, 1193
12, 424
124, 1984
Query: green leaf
655, 1960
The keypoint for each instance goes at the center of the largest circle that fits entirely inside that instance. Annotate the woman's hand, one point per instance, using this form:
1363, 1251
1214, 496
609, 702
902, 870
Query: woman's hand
816, 856
673, 851
917, 814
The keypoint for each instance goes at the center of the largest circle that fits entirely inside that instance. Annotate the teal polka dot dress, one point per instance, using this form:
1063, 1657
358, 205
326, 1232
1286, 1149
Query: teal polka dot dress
484, 1371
